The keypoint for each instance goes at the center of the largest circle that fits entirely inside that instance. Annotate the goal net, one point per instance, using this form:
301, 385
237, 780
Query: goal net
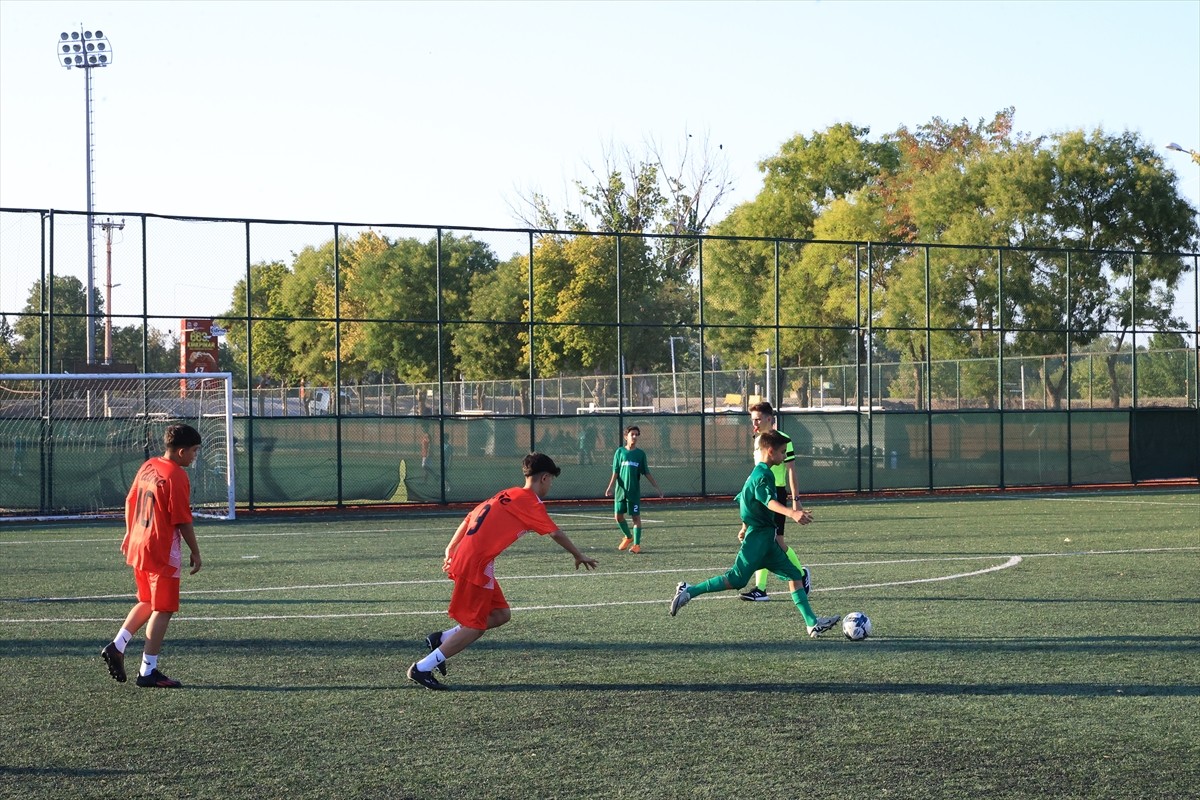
70, 445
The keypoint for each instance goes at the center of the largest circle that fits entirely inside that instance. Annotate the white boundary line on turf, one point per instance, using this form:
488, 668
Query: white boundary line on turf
542, 577
1011, 562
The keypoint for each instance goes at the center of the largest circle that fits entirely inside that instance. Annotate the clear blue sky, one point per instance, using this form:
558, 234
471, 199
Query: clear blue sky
388, 112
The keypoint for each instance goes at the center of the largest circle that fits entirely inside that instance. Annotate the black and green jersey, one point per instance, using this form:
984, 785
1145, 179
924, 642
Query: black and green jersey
629, 466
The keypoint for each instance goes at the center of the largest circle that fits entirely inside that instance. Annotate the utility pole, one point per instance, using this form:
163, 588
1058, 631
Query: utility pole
107, 226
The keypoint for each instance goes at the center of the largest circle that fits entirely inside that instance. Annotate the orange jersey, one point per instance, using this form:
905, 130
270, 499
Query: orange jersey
158, 502
491, 527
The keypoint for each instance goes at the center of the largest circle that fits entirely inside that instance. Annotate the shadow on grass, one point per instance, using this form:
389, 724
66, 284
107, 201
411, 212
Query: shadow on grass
857, 688
65, 772
408, 643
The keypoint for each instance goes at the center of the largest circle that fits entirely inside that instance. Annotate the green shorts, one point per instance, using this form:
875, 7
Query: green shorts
759, 550
627, 505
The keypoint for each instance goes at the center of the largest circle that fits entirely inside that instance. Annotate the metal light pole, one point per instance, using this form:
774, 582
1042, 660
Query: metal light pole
767, 353
674, 385
87, 50
1195, 160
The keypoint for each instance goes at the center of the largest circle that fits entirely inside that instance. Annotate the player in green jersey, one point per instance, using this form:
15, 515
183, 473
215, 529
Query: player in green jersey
760, 547
629, 465
762, 417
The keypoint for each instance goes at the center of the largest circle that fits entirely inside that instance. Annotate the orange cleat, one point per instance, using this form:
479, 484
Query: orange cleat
628, 540
637, 548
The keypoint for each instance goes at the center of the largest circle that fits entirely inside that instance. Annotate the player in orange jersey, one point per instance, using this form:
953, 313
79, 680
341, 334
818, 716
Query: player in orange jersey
158, 516
477, 604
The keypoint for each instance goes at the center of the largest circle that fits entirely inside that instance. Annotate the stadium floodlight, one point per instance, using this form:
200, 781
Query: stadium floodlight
1195, 155
87, 50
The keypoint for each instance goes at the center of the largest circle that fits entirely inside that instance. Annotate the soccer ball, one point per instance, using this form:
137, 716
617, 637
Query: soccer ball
856, 625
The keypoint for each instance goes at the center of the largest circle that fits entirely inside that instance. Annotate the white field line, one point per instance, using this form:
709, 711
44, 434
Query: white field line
206, 535
1011, 561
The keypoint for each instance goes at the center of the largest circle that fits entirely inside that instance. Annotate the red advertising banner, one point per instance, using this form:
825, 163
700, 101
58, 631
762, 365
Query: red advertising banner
198, 348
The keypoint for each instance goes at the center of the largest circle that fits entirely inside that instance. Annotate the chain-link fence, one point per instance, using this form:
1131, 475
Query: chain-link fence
388, 363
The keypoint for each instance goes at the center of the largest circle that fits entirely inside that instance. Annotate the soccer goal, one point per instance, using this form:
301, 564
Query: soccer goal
71, 444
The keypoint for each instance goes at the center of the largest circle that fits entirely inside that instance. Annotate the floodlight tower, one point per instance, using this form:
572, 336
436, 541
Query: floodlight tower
87, 50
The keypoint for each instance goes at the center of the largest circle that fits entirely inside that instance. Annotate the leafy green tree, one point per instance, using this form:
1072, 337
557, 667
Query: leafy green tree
272, 353
807, 187
161, 348
69, 331
9, 354
399, 286
1163, 368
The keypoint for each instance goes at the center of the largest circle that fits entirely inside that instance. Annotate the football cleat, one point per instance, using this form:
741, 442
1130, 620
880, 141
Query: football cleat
680, 599
157, 680
637, 548
755, 595
115, 660
823, 624
426, 679
628, 540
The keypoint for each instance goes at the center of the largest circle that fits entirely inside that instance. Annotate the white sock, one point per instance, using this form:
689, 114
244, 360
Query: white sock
447, 634
429, 663
122, 640
149, 664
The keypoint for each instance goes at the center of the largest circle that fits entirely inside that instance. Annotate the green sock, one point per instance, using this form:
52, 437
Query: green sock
801, 601
761, 579
637, 534
625, 528
716, 584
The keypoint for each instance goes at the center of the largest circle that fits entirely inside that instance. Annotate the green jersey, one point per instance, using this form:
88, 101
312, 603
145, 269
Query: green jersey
752, 501
629, 467
779, 470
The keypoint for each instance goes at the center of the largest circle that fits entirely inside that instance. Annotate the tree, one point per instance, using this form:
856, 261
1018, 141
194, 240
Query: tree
9, 354
1163, 368
272, 353
814, 181
69, 331
161, 348
403, 292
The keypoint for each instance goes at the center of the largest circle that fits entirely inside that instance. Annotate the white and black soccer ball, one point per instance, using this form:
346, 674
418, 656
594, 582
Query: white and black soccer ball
856, 625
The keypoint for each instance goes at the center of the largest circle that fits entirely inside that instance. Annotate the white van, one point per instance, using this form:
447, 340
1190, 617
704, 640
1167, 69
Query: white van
321, 401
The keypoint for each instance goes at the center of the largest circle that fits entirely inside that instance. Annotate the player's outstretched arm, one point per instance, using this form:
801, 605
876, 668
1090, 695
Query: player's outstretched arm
565, 543
453, 545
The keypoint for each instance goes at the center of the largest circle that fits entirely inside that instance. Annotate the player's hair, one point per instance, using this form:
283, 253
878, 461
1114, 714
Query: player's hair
763, 408
178, 437
771, 439
629, 428
539, 462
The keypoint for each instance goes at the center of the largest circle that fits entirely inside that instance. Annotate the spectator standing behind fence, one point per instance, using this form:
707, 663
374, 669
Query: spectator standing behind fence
477, 604
425, 452
158, 517
629, 465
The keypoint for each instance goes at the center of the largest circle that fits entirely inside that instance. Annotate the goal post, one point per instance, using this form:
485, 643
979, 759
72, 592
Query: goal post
70, 445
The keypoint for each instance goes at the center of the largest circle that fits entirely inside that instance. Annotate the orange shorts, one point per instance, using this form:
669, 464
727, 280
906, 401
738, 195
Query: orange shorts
160, 591
472, 604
